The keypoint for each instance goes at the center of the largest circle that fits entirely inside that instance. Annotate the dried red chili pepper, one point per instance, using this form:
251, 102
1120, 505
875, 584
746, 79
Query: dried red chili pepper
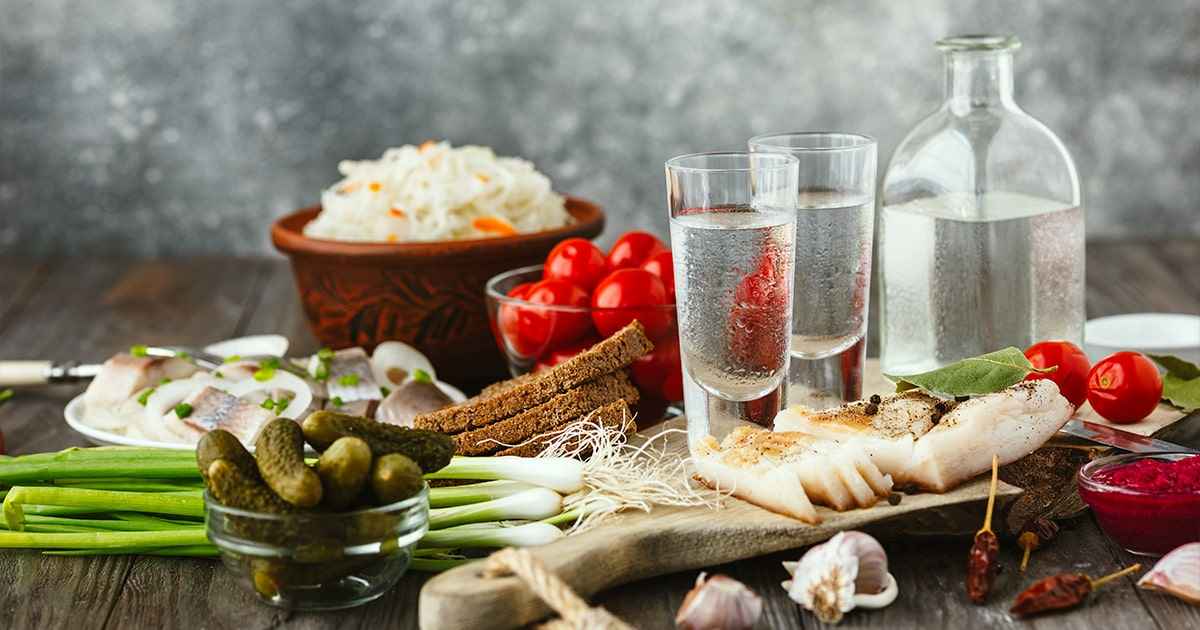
981, 561
1053, 593
1035, 533
1059, 592
981, 566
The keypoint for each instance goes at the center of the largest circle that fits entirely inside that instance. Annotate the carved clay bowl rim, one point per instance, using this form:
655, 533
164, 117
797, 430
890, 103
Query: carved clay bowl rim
287, 234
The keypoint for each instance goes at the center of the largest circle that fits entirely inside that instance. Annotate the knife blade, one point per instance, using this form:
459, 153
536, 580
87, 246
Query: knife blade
1124, 440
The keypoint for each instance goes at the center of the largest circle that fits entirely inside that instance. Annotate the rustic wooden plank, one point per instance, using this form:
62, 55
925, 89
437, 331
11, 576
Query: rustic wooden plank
72, 310
39, 591
188, 593
1166, 611
191, 303
276, 309
1180, 259
1134, 278
19, 278
88, 311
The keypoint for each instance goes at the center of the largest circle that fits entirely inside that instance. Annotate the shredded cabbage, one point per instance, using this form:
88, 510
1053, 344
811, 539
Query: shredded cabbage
435, 192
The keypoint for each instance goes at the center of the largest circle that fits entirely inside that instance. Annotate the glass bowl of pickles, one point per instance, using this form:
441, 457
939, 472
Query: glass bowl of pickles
319, 561
332, 533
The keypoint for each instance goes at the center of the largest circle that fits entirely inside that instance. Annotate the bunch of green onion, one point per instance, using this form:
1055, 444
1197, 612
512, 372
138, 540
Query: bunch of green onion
107, 500
126, 500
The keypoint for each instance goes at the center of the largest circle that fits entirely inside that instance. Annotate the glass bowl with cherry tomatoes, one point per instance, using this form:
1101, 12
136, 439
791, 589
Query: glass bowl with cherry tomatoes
545, 314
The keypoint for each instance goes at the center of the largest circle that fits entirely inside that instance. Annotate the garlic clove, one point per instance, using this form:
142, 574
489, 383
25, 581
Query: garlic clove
872, 562
719, 603
847, 571
881, 599
1177, 574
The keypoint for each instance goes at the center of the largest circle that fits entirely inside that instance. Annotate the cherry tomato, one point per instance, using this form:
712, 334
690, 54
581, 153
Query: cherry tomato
632, 249
577, 261
551, 328
1124, 387
507, 322
660, 373
558, 355
619, 296
1073, 367
756, 320
661, 264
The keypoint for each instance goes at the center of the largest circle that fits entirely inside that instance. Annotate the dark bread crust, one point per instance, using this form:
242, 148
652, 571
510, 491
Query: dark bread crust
614, 415
507, 399
548, 416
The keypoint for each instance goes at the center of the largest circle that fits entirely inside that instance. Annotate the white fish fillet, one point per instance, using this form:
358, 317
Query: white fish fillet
932, 444
776, 488
108, 401
784, 472
124, 375
353, 366
215, 409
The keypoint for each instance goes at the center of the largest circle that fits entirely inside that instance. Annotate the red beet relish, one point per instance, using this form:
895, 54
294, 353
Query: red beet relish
1147, 503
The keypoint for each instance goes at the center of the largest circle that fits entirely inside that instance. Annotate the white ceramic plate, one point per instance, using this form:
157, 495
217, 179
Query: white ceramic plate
74, 413
1155, 333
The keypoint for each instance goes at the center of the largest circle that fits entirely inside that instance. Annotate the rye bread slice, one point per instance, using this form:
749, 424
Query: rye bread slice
558, 411
606, 357
615, 415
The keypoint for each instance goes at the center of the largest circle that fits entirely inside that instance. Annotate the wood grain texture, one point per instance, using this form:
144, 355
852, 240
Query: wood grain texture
666, 540
87, 309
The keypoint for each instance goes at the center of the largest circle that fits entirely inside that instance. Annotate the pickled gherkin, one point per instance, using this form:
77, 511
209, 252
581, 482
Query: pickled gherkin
221, 444
233, 488
395, 477
429, 449
343, 469
279, 451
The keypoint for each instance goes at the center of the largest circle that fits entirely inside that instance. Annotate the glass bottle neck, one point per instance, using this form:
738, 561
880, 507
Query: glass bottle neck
979, 79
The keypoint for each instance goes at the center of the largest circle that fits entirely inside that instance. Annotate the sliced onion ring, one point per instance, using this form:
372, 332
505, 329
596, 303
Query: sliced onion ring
402, 357
167, 395
302, 393
270, 345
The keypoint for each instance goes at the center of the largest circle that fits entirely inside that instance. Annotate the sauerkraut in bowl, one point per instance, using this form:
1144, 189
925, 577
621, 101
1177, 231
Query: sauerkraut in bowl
436, 192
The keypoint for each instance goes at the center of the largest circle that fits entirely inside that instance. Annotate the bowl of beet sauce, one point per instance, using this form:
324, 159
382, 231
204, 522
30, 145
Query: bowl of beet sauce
1149, 503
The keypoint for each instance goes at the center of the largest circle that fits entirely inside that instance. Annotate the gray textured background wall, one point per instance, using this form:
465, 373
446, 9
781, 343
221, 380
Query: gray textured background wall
170, 127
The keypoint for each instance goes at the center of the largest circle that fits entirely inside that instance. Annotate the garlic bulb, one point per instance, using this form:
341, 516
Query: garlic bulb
1177, 573
846, 572
719, 603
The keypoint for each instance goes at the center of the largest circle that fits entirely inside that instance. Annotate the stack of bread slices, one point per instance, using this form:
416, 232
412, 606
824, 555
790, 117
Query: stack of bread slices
522, 415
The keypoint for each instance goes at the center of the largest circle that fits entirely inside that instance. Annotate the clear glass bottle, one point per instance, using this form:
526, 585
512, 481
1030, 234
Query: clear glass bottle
981, 226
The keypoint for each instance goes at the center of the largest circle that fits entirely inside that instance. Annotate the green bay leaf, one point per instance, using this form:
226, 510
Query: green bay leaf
1181, 385
984, 374
1183, 393
1185, 370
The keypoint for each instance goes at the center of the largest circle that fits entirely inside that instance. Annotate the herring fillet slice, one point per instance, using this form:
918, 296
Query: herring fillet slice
776, 488
773, 470
932, 447
1010, 424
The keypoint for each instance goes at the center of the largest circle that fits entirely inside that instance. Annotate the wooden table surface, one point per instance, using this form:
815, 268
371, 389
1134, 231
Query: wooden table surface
88, 309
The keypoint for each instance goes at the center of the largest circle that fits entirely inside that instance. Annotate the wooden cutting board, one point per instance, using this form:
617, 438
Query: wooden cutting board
666, 540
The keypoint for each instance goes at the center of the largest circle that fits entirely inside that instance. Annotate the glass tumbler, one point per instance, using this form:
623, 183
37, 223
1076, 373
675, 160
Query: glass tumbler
835, 221
733, 227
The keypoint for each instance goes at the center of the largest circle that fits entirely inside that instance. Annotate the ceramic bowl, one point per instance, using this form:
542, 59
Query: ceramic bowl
1153, 333
429, 295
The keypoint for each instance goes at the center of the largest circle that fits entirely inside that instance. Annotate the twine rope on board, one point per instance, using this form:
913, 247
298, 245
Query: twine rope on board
573, 611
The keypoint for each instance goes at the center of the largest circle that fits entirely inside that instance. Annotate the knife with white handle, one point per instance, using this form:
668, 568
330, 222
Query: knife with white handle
1124, 440
23, 373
